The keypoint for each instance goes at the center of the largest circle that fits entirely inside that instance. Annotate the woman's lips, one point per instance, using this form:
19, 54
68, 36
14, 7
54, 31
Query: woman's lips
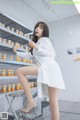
36, 33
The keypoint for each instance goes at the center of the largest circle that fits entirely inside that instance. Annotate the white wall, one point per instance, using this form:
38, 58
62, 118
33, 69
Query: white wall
65, 34
21, 12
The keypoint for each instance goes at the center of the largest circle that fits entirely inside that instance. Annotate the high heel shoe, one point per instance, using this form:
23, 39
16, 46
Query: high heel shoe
29, 108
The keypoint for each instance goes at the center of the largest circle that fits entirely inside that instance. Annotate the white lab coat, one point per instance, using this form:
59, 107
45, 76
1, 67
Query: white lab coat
49, 73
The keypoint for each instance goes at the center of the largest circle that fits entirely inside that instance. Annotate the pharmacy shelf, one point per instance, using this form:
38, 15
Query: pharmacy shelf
33, 90
8, 21
15, 77
5, 46
8, 34
9, 47
16, 63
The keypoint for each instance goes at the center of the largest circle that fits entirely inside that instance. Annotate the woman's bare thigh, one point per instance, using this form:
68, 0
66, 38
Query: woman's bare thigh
29, 70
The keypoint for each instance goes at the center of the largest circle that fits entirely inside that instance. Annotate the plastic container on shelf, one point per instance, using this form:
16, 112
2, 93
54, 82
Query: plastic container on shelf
8, 27
9, 42
12, 72
17, 44
30, 61
26, 35
4, 57
18, 86
12, 29
3, 72
21, 87
4, 41
32, 84
9, 88
17, 31
12, 44
31, 37
24, 60
18, 59
11, 57
22, 46
21, 33
9, 73
13, 88
4, 88
3, 25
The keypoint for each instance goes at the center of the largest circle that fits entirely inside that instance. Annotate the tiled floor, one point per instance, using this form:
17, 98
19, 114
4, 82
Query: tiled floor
68, 111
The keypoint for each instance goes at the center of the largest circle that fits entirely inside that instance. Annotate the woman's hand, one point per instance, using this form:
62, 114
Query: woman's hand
32, 44
15, 47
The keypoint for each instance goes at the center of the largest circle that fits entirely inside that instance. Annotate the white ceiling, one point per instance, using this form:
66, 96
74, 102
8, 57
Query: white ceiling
59, 11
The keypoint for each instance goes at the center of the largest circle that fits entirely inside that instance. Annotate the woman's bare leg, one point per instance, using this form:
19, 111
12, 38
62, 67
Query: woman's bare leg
53, 97
21, 74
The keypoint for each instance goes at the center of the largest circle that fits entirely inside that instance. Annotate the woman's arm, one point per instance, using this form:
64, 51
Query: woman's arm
45, 48
22, 54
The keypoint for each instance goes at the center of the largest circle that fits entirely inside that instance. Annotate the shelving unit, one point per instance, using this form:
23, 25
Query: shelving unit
7, 33
14, 77
10, 34
15, 63
33, 90
8, 47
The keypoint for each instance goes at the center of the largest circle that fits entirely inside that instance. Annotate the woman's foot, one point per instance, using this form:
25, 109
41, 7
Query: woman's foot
29, 107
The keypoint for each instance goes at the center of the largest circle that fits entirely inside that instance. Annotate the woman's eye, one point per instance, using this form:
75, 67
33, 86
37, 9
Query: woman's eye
41, 28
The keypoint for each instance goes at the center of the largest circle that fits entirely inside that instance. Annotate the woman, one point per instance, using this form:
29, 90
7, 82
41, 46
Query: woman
49, 79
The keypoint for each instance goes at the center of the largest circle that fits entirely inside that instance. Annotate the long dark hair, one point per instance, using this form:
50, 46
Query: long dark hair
44, 34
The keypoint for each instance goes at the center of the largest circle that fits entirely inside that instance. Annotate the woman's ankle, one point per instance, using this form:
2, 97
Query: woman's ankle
31, 102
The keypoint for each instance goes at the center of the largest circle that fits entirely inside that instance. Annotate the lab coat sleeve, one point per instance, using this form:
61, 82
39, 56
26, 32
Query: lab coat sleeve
24, 55
45, 48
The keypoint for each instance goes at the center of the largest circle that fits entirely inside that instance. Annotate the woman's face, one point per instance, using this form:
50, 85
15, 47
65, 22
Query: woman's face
39, 31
